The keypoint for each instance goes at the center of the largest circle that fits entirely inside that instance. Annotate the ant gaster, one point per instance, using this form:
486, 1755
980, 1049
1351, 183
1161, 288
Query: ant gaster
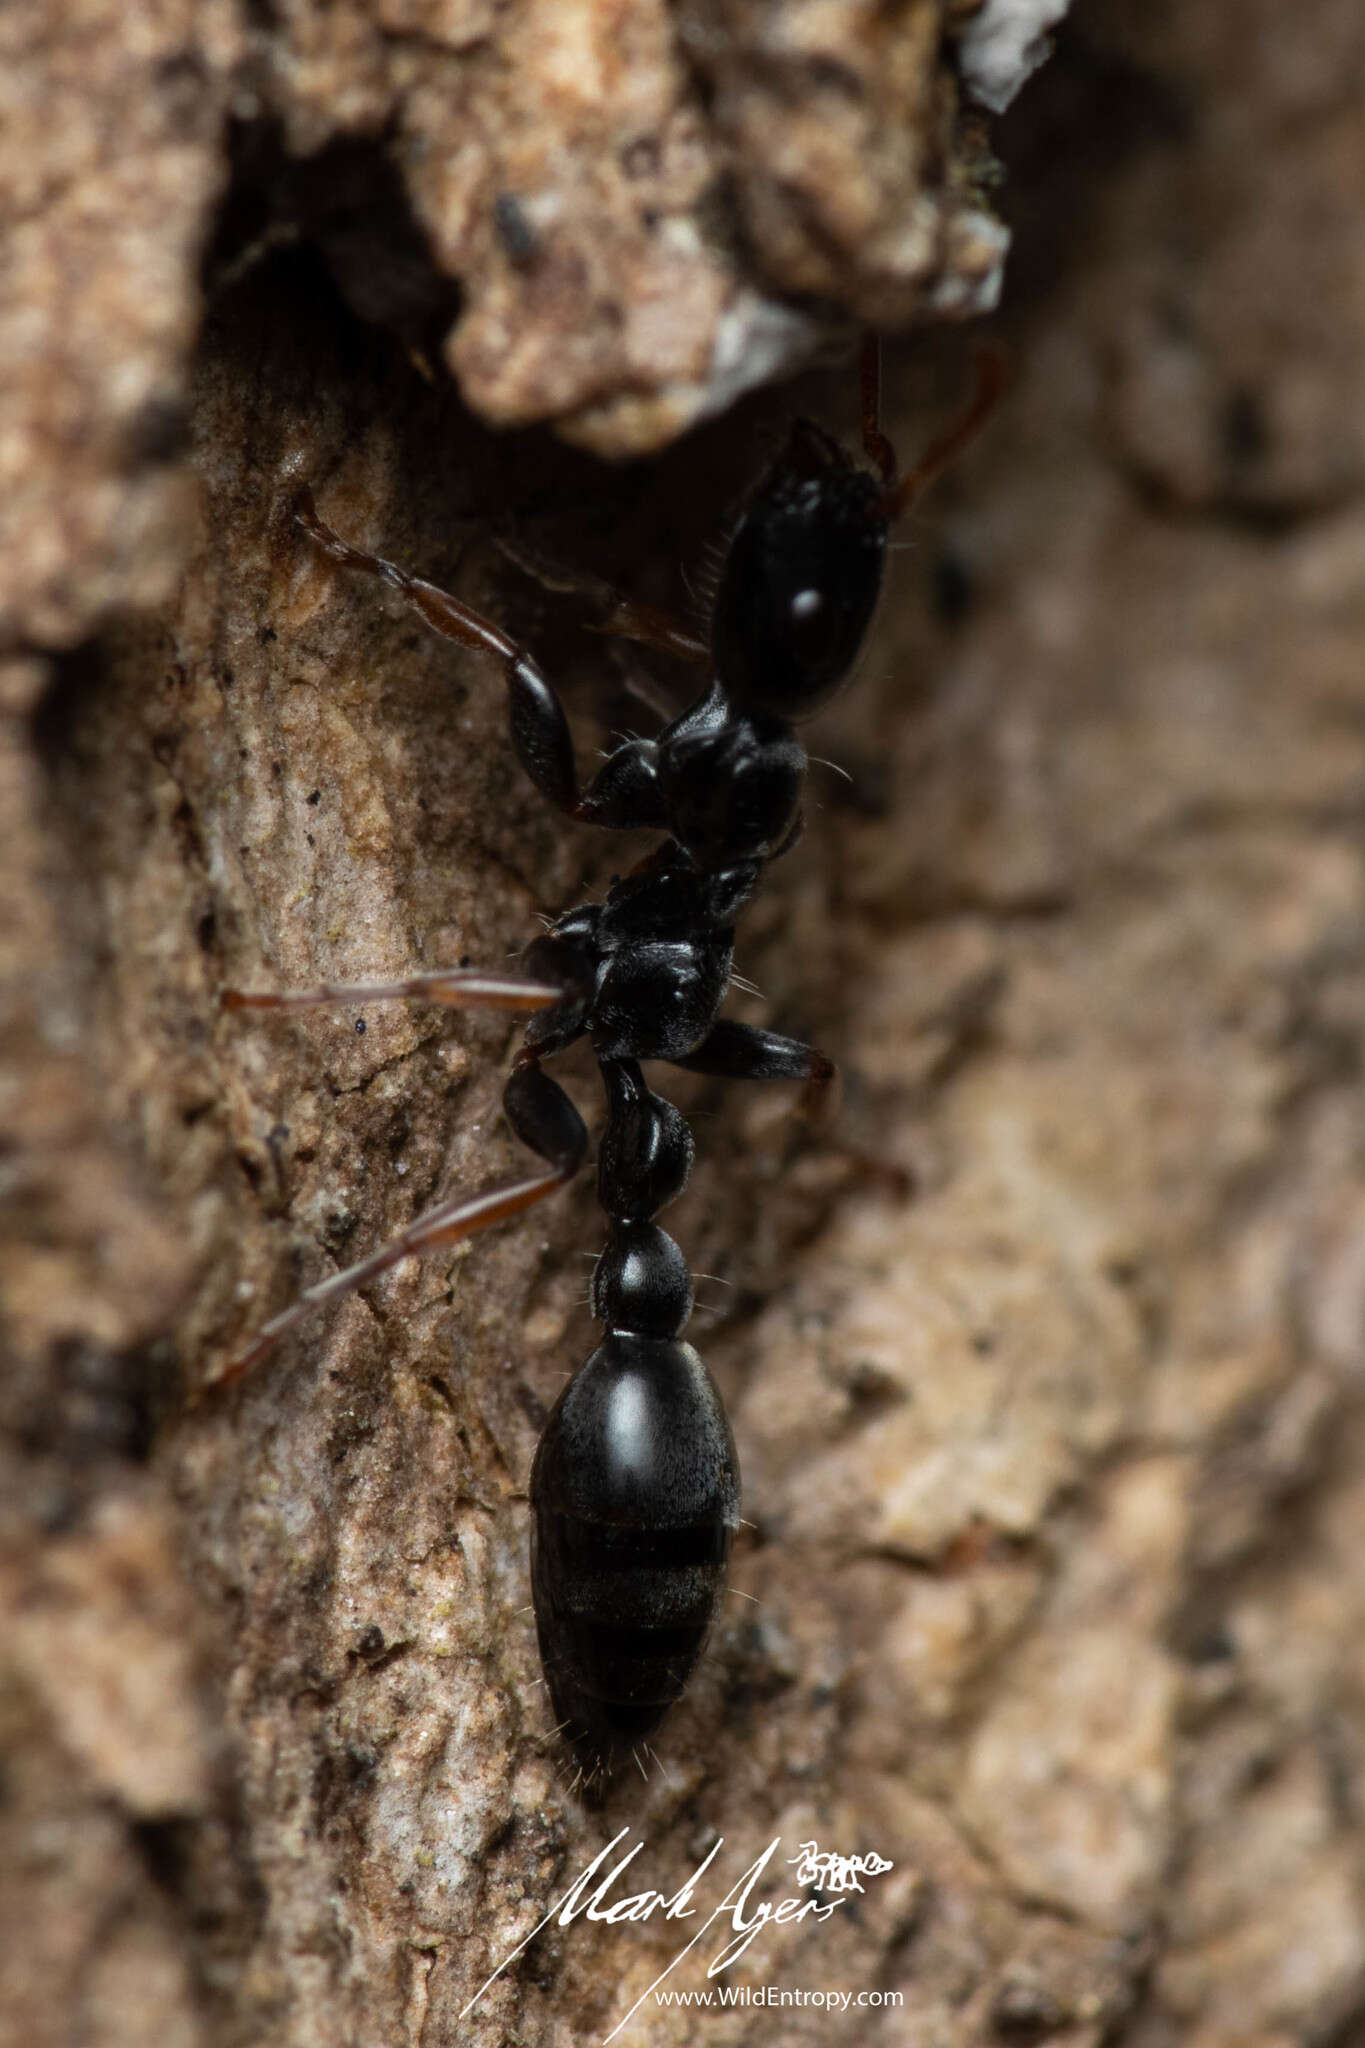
635, 1486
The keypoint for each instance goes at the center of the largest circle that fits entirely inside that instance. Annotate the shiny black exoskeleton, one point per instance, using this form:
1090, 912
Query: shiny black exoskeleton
635, 1486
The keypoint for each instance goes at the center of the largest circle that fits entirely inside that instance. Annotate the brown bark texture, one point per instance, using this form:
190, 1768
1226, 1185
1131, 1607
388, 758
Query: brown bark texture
1044, 1360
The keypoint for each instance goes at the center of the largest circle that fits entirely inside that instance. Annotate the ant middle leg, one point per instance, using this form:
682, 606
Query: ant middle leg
542, 1116
452, 987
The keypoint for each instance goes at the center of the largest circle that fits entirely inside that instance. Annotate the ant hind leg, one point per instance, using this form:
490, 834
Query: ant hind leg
542, 1116
742, 1052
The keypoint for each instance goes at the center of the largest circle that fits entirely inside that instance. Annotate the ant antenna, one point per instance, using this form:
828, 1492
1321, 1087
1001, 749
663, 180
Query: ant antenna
875, 444
992, 381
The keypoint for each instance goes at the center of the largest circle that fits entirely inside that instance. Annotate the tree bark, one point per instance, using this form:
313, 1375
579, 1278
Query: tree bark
1044, 1361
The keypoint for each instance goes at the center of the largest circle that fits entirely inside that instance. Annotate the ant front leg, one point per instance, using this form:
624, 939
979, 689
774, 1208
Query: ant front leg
542, 1116
623, 618
607, 612
623, 794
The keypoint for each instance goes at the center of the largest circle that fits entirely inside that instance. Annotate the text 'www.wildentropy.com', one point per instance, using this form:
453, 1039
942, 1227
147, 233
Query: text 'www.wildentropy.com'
722, 1996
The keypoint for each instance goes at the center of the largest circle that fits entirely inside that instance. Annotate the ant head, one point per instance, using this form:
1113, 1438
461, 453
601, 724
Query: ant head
801, 580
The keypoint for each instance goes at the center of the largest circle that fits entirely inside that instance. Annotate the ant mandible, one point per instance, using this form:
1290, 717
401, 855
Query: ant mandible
635, 1485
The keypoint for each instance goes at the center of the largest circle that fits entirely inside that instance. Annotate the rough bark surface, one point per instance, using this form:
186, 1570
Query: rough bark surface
1055, 1465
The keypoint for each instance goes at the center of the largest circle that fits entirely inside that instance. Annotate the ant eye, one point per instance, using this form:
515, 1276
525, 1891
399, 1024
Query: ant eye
805, 605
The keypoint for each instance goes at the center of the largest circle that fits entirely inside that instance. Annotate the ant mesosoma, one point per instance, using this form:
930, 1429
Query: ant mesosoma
635, 1485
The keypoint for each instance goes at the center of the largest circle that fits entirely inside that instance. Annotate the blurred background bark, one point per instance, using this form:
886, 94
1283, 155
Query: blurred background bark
1055, 1465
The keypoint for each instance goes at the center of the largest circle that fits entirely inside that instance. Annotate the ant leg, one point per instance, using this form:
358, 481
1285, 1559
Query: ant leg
619, 616
542, 1116
453, 987
741, 1052
992, 380
539, 728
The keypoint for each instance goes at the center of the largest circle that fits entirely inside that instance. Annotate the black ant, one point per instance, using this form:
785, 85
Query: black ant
635, 1486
